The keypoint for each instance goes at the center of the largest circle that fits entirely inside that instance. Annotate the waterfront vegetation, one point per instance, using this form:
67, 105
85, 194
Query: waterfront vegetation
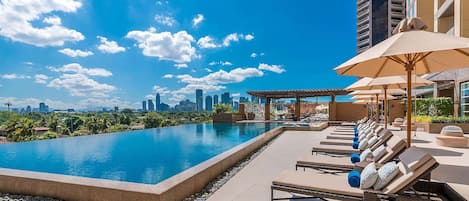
19, 127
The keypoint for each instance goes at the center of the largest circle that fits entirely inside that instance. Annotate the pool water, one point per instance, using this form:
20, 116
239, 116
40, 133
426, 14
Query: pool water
144, 156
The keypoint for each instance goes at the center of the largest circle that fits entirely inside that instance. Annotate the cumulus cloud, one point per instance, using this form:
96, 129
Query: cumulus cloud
163, 91
248, 37
168, 46
108, 46
77, 68
197, 20
87, 103
41, 78
208, 70
178, 66
235, 37
253, 55
168, 76
75, 53
16, 19
14, 76
165, 20
207, 42
223, 63
273, 68
81, 85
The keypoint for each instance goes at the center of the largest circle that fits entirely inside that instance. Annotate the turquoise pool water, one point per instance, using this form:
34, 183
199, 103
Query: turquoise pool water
144, 156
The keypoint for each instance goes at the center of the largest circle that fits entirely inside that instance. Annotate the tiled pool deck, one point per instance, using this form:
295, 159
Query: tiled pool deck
253, 182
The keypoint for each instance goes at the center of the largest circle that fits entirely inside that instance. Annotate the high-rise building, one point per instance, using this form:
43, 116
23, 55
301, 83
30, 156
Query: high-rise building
158, 102
225, 98
235, 105
255, 99
144, 106
43, 108
186, 105
375, 21
28, 109
151, 106
215, 99
243, 99
208, 103
199, 99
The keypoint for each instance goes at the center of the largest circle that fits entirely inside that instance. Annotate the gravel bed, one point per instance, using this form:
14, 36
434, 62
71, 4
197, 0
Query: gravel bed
218, 182
11, 197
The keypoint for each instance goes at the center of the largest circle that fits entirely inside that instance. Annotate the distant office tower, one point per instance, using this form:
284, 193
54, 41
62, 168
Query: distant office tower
28, 109
243, 99
116, 108
158, 102
215, 99
255, 99
199, 99
235, 105
151, 106
144, 106
43, 108
185, 105
208, 103
225, 98
375, 21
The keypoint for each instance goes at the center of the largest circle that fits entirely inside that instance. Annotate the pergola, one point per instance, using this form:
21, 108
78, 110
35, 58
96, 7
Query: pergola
297, 94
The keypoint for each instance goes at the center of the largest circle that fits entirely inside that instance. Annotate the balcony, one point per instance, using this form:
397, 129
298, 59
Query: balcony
363, 13
362, 1
364, 6
397, 15
363, 28
446, 9
363, 21
362, 43
362, 49
363, 35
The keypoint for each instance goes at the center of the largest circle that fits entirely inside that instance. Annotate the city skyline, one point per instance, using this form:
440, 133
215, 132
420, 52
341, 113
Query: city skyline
83, 67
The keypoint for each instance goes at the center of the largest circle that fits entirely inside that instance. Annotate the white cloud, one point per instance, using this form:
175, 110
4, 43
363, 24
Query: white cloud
28, 63
150, 97
81, 85
273, 68
165, 20
75, 53
178, 66
248, 37
207, 42
108, 46
197, 20
177, 97
253, 55
208, 70
175, 47
160, 3
223, 63
77, 68
16, 19
168, 76
163, 91
41, 78
14, 76
80, 104
236, 95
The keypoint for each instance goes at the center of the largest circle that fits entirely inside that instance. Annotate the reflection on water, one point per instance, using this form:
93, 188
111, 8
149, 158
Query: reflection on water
144, 156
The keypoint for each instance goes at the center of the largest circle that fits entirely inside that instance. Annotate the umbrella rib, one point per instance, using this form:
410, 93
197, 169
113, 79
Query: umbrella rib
424, 61
424, 56
381, 67
396, 59
350, 68
462, 52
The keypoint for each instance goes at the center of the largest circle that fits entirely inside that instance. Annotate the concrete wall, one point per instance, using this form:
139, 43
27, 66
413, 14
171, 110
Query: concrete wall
396, 110
346, 111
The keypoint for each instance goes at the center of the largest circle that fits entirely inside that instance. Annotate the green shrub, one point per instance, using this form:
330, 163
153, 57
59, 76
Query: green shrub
432, 106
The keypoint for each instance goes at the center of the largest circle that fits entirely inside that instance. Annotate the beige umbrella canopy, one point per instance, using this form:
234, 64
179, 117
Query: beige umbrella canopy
405, 52
378, 91
369, 97
388, 82
362, 102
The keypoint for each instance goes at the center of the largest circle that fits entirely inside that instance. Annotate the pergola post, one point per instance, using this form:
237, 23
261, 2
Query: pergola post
267, 109
332, 99
298, 108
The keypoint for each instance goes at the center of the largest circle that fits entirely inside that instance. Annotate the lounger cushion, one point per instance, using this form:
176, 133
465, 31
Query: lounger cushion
368, 176
372, 141
385, 174
363, 145
413, 158
379, 152
366, 154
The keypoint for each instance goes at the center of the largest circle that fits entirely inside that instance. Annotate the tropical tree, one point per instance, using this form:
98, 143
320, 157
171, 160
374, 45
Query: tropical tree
93, 124
73, 123
152, 120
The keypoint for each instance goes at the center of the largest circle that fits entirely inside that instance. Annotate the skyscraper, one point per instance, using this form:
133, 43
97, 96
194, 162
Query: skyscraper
375, 21
208, 103
158, 102
243, 99
151, 106
225, 98
199, 99
144, 106
43, 108
255, 99
215, 99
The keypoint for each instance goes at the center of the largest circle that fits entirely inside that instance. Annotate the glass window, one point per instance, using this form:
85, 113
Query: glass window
464, 98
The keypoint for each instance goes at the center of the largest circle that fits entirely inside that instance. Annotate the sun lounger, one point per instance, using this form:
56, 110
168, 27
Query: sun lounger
414, 165
394, 147
338, 149
346, 141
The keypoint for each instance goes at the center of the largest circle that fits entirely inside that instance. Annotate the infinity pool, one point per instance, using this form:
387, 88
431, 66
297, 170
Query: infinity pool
144, 156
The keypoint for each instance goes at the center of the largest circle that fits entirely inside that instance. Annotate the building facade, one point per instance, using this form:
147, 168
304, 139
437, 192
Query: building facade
158, 102
375, 21
208, 103
199, 99
225, 98
450, 17
144, 106
215, 99
151, 106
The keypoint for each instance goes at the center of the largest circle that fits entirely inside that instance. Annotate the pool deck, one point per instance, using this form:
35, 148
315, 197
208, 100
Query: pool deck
253, 181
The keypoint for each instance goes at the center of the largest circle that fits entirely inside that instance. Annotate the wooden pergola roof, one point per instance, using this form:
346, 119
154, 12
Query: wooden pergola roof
298, 93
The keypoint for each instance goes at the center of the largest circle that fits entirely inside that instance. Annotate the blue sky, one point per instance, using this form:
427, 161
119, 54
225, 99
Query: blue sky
73, 53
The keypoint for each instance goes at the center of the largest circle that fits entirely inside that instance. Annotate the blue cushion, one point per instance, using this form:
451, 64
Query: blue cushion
355, 139
355, 158
355, 145
356, 133
354, 179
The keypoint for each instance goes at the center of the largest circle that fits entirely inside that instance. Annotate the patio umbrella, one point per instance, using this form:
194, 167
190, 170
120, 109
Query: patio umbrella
368, 97
416, 51
385, 100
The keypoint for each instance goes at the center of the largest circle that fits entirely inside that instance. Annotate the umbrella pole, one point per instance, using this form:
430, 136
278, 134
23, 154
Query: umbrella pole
377, 109
409, 68
385, 103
